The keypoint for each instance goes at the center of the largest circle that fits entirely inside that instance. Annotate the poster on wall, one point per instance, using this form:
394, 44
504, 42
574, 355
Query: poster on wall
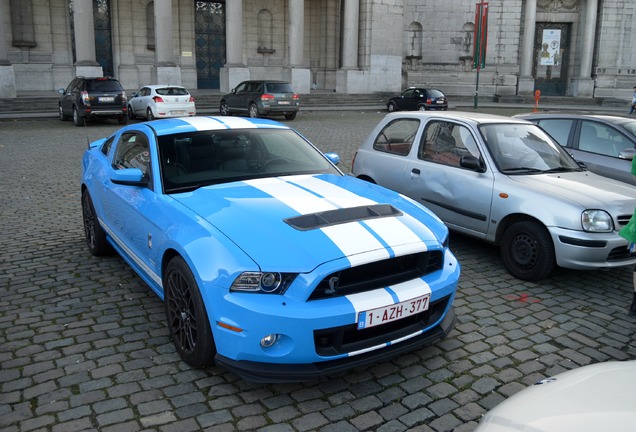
550, 47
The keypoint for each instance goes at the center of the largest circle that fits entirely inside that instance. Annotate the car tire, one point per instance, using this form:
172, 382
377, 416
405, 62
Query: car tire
63, 116
290, 116
253, 111
391, 107
77, 120
95, 235
131, 113
527, 251
149, 115
421, 107
186, 316
224, 109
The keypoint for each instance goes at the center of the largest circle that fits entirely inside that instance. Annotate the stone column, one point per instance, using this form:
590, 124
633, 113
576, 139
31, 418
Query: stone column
350, 36
526, 80
168, 72
7, 74
84, 26
234, 70
299, 77
347, 74
583, 85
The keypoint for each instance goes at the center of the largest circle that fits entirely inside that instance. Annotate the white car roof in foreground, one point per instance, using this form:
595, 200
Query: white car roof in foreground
598, 397
475, 117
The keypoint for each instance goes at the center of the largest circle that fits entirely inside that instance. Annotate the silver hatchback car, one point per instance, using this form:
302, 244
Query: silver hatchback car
505, 181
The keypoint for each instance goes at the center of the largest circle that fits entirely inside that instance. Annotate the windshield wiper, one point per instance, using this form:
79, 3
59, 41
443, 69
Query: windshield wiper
522, 169
189, 188
561, 169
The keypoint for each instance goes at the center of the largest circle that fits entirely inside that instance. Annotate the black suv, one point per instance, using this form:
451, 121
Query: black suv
87, 98
418, 98
261, 98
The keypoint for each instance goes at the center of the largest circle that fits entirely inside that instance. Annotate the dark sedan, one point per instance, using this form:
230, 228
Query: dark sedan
606, 144
418, 99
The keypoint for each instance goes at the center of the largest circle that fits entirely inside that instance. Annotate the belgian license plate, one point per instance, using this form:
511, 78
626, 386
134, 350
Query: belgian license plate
177, 112
283, 102
440, 102
106, 99
386, 314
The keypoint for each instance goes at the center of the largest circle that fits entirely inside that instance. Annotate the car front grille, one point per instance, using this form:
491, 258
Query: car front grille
620, 253
623, 219
378, 274
346, 339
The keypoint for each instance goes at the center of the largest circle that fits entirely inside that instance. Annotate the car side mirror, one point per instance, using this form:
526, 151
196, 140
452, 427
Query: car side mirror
129, 177
60, 91
627, 153
233, 91
333, 157
472, 163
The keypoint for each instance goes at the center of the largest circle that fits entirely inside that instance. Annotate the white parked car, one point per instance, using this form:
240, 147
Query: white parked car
503, 180
593, 398
161, 101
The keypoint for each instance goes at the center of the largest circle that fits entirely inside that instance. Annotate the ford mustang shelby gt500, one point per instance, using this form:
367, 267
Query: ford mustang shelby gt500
271, 262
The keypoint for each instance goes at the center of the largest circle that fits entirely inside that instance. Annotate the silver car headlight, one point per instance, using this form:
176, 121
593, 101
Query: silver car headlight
262, 282
596, 221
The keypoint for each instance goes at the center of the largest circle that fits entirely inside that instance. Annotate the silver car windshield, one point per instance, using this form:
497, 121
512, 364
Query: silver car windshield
196, 159
525, 149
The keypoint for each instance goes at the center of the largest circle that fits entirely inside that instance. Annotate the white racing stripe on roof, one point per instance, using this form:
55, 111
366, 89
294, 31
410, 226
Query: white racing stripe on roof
237, 122
203, 123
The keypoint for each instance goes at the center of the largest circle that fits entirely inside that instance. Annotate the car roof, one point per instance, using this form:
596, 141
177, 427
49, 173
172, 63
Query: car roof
612, 118
207, 123
474, 117
156, 86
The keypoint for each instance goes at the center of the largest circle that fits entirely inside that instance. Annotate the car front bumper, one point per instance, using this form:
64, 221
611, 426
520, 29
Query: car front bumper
581, 250
279, 372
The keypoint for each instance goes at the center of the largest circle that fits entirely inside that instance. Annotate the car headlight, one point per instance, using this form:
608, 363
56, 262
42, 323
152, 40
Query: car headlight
596, 221
263, 282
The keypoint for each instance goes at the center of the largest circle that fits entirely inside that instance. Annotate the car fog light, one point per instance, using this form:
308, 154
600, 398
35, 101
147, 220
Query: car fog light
269, 340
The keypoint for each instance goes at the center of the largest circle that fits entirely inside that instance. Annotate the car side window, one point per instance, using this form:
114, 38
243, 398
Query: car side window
240, 88
446, 143
133, 152
397, 137
601, 139
107, 145
559, 129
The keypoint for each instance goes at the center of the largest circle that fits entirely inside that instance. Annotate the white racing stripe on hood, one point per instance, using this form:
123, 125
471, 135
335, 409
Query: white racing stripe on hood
341, 197
361, 242
297, 198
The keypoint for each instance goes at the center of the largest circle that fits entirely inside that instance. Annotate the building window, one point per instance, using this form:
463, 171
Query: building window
22, 27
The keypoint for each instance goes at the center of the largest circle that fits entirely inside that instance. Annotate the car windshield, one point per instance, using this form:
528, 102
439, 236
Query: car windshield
196, 159
171, 91
629, 126
524, 149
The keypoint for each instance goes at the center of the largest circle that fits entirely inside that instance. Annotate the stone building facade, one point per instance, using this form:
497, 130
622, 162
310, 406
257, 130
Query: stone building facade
577, 48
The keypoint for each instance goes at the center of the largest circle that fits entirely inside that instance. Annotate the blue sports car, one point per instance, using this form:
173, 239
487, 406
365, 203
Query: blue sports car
271, 262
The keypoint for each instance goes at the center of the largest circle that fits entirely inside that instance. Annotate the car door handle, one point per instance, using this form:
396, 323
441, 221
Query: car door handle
415, 171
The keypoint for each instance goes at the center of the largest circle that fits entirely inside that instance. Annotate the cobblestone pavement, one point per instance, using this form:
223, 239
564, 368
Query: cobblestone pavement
84, 346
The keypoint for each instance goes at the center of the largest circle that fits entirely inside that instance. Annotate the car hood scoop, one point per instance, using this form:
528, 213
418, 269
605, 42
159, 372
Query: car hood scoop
340, 216
299, 222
